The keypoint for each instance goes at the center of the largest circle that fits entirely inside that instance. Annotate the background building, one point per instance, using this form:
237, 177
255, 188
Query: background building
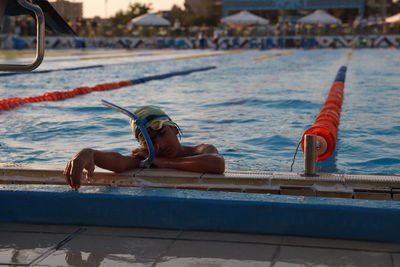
237, 5
346, 10
378, 7
68, 10
205, 7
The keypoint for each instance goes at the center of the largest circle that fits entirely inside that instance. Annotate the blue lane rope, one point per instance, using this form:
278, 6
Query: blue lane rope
341, 74
170, 74
47, 71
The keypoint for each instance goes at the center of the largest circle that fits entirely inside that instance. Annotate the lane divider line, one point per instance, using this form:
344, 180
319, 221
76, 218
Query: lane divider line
273, 55
209, 55
61, 95
131, 55
52, 70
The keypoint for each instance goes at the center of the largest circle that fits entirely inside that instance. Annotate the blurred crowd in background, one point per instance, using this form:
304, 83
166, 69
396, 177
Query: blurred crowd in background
96, 27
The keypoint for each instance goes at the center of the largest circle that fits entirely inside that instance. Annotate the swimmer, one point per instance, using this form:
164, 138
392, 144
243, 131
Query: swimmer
169, 153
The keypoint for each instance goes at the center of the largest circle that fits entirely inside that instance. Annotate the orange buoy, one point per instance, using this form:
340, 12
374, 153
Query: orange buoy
326, 124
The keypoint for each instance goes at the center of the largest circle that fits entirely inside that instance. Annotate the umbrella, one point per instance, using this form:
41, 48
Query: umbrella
150, 20
244, 18
320, 17
393, 19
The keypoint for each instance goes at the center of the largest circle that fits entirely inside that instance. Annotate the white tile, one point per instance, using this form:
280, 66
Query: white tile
105, 248
77, 258
314, 256
288, 264
396, 259
340, 244
24, 247
221, 250
211, 262
232, 237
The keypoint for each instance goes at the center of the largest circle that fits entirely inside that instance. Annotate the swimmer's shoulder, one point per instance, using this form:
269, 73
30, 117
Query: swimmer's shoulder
201, 149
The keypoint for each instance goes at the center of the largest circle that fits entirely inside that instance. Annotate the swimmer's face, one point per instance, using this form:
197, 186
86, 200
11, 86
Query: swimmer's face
165, 142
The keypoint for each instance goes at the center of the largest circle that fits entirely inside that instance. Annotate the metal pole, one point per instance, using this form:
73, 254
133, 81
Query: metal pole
310, 155
40, 28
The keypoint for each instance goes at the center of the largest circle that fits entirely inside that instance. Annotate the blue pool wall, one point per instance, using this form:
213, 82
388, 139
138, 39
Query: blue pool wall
202, 210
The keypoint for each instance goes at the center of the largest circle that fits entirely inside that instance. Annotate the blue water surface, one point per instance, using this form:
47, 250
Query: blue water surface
255, 112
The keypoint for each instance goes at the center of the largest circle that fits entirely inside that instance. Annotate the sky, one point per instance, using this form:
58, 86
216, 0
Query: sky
93, 8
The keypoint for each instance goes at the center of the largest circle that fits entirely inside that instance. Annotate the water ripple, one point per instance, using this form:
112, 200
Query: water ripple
256, 102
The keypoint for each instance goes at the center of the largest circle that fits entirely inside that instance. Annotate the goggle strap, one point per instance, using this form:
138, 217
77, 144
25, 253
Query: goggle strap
180, 133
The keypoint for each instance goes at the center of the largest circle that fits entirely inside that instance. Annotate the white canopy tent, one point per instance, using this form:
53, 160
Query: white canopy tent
244, 18
320, 17
150, 20
393, 19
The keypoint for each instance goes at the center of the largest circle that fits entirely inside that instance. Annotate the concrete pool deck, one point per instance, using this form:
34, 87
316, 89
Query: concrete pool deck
66, 245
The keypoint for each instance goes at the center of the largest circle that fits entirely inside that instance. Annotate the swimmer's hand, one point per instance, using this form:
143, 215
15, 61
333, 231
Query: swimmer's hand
84, 159
89, 158
142, 153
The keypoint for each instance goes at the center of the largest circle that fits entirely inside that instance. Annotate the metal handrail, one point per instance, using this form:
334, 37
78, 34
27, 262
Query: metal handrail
40, 30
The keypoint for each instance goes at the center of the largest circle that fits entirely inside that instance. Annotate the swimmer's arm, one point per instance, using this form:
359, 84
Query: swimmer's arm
201, 158
205, 148
114, 161
89, 158
208, 163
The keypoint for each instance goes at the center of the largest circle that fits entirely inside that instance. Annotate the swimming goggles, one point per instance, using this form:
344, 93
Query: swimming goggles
155, 123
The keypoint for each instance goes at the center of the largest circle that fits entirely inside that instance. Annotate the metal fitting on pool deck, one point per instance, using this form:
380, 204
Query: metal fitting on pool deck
310, 155
40, 32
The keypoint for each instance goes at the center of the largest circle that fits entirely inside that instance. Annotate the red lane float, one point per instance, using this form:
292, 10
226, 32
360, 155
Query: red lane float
60, 95
326, 124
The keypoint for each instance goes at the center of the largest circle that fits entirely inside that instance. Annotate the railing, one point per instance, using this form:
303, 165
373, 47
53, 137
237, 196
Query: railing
40, 30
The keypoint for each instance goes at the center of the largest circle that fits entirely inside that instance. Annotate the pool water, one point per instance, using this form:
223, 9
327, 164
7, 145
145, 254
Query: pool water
255, 112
